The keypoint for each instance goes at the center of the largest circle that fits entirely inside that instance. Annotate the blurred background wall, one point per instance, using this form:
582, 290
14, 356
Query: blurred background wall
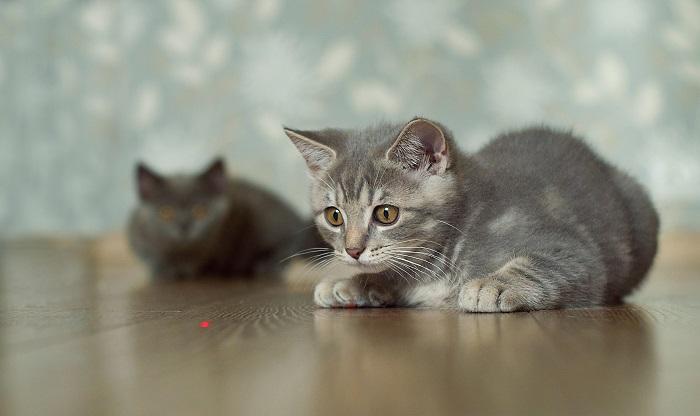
89, 87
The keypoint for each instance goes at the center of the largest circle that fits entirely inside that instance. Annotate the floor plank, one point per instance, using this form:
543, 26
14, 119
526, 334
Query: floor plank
83, 332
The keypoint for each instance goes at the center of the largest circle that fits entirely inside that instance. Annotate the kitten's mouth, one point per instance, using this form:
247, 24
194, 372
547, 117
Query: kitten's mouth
368, 267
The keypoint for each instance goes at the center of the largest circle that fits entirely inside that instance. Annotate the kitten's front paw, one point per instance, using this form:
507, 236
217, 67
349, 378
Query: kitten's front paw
350, 293
489, 294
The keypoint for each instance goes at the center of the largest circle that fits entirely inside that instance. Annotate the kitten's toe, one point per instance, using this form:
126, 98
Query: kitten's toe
481, 295
357, 293
469, 295
323, 294
348, 294
498, 294
488, 297
338, 294
379, 296
511, 300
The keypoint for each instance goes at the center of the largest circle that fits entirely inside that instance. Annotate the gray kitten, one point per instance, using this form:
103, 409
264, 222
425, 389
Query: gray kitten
209, 224
534, 220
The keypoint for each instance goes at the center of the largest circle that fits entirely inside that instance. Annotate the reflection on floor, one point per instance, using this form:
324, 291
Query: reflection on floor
83, 332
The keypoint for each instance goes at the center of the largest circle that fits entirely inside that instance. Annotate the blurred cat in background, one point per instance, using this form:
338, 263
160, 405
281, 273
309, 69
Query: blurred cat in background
534, 220
189, 225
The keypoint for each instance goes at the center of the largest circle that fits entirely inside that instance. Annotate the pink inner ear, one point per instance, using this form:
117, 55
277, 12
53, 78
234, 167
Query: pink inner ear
431, 137
421, 146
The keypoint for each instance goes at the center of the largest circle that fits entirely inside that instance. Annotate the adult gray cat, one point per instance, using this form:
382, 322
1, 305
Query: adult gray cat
534, 220
209, 224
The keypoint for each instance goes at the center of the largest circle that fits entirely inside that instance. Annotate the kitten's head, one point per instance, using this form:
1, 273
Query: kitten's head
183, 207
379, 194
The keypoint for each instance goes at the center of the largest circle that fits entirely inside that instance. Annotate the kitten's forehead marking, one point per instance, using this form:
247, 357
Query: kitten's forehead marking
363, 197
377, 195
340, 193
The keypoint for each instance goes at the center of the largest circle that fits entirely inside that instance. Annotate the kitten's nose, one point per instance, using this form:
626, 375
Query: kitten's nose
354, 252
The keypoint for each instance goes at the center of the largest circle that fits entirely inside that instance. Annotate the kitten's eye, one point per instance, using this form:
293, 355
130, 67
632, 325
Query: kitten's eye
166, 214
333, 216
199, 211
386, 214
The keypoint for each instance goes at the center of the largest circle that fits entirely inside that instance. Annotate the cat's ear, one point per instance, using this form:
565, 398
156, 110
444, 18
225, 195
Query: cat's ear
147, 181
214, 176
318, 156
421, 145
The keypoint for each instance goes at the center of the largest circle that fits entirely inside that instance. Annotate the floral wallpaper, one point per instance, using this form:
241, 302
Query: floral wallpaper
89, 87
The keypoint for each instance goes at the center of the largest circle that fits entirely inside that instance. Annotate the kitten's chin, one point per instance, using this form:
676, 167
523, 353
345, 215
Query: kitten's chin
369, 268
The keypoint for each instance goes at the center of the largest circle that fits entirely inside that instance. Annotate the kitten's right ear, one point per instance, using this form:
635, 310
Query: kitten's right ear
214, 176
147, 181
421, 145
318, 156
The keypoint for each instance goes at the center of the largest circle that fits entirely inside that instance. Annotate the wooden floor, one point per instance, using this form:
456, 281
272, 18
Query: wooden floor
83, 333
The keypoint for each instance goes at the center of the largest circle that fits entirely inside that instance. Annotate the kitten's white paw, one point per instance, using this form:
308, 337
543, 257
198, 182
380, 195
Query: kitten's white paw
350, 293
489, 294
323, 294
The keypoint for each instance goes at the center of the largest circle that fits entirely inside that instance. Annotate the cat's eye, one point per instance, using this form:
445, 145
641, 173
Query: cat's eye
333, 216
166, 213
199, 211
386, 214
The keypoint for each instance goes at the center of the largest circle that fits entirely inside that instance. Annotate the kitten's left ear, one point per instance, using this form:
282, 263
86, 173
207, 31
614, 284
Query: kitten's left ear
317, 155
214, 175
421, 145
148, 182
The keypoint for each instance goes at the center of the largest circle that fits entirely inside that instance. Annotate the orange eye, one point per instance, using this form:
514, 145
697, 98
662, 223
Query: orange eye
386, 214
199, 211
333, 216
166, 214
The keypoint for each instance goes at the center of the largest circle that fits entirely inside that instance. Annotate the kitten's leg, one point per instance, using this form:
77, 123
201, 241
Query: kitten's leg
358, 291
534, 282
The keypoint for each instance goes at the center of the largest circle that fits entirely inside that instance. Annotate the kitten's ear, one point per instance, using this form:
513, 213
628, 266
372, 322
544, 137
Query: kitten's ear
421, 145
318, 156
214, 175
147, 181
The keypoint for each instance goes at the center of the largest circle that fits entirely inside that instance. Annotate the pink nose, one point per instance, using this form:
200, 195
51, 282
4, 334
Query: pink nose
354, 252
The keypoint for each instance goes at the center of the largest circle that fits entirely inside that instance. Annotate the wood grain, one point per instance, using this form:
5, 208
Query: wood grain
82, 331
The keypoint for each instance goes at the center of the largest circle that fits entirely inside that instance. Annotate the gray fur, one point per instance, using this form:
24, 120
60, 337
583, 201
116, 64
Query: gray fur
246, 230
534, 220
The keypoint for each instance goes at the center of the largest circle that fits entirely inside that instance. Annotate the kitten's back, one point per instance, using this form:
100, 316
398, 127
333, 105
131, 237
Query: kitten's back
556, 175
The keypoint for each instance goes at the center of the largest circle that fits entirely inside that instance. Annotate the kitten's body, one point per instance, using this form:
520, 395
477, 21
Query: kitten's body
534, 220
249, 232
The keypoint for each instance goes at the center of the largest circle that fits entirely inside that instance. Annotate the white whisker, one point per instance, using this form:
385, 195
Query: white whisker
305, 252
450, 225
396, 271
405, 267
440, 258
330, 188
418, 268
406, 257
321, 263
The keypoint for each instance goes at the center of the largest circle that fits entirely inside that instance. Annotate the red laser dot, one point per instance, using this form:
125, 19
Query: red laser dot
204, 324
